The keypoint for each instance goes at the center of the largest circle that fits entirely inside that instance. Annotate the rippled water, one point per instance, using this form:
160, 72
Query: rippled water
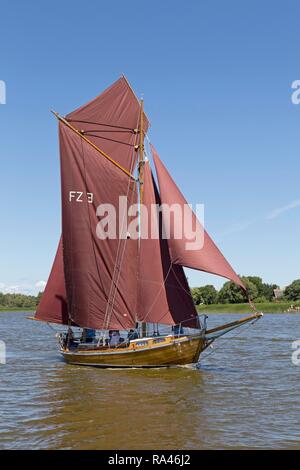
243, 395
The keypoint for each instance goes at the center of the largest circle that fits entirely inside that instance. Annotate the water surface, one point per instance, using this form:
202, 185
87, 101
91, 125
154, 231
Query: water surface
243, 395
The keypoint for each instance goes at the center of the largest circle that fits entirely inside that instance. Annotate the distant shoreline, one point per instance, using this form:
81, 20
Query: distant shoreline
266, 307
16, 309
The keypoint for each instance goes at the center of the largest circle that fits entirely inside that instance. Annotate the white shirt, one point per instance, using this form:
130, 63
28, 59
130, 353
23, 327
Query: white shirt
114, 339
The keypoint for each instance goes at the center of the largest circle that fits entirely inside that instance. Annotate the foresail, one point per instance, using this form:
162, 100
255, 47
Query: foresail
207, 258
53, 304
100, 273
163, 292
111, 121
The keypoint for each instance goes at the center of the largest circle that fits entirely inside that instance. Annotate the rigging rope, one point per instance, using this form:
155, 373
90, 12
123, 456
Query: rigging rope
180, 284
161, 287
117, 266
51, 327
101, 124
107, 138
230, 337
116, 275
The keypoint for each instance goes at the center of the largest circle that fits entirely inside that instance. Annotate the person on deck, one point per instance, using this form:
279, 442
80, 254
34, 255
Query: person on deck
88, 335
69, 338
178, 330
132, 334
115, 338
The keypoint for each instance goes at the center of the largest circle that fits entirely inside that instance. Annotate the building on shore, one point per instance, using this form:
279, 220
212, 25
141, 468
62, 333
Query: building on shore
278, 293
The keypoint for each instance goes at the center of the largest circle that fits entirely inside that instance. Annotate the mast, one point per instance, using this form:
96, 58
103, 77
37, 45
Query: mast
141, 154
141, 177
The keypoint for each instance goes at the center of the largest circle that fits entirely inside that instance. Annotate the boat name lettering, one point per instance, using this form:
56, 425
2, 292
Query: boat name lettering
141, 343
78, 196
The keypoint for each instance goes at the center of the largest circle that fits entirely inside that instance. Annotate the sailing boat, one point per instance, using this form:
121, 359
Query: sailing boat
127, 296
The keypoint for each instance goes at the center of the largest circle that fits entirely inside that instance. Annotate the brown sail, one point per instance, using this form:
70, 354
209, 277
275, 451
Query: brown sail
164, 295
100, 273
111, 121
53, 304
208, 258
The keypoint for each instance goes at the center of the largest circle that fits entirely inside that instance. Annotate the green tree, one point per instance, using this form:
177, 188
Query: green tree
19, 301
230, 294
268, 291
264, 291
196, 295
233, 294
208, 294
205, 295
292, 292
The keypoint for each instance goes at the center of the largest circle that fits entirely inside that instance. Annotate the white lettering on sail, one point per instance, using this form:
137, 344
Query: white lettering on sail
78, 196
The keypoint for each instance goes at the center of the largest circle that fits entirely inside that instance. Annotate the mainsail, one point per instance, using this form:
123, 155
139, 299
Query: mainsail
208, 258
100, 273
99, 276
164, 295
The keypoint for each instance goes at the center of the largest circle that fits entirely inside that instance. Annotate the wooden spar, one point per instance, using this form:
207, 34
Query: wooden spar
235, 323
80, 134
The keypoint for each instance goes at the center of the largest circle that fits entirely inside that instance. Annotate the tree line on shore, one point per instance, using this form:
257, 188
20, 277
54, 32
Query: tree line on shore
10, 301
230, 293
259, 292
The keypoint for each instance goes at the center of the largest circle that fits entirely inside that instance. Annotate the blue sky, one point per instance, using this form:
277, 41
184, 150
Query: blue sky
216, 78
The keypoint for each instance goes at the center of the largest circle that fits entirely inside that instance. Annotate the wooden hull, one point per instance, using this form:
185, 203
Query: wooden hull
146, 352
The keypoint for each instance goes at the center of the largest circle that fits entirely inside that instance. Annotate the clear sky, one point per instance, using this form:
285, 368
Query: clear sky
216, 78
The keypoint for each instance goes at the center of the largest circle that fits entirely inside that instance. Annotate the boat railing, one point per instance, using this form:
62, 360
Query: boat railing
101, 338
